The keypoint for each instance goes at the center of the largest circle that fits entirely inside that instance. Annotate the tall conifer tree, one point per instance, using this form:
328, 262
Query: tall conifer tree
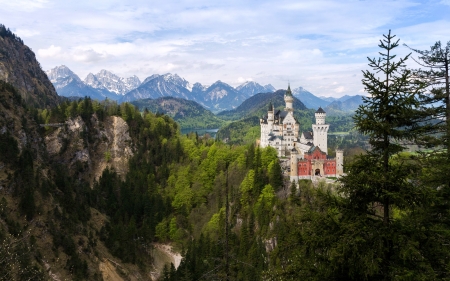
354, 234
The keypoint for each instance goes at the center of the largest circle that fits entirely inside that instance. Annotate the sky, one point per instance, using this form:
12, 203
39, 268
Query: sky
319, 45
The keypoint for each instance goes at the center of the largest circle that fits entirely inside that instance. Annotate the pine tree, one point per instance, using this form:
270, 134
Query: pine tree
436, 63
365, 230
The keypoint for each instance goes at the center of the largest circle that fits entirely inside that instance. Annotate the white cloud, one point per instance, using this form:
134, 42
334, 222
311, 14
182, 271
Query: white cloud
24, 33
339, 89
52, 51
309, 43
242, 79
24, 5
88, 55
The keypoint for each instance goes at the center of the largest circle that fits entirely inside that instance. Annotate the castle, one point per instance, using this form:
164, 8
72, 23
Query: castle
308, 151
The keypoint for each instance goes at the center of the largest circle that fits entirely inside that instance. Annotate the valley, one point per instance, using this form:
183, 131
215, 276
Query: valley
110, 178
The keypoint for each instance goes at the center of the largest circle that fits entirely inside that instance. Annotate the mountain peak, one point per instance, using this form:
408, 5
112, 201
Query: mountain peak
106, 80
61, 72
250, 88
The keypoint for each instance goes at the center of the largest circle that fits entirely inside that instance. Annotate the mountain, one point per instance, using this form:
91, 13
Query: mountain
251, 88
187, 113
310, 100
157, 86
344, 98
258, 104
216, 97
221, 96
68, 84
99, 86
348, 104
328, 99
106, 80
19, 67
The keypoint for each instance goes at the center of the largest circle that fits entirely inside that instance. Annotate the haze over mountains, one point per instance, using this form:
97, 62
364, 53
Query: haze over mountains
216, 97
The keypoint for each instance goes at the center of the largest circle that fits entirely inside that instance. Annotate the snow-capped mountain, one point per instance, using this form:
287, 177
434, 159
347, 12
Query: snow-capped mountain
109, 81
251, 88
221, 96
68, 84
217, 97
61, 76
157, 86
198, 88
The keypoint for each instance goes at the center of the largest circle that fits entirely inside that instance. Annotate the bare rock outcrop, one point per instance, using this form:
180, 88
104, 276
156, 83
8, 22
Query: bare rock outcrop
88, 150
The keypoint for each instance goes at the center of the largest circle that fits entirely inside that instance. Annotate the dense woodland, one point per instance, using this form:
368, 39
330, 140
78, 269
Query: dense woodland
227, 206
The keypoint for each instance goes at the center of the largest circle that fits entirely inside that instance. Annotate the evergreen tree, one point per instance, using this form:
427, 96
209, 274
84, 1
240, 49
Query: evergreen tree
436, 63
435, 216
365, 231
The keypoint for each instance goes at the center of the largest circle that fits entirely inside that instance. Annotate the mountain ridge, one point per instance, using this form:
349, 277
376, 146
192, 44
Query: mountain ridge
216, 97
19, 67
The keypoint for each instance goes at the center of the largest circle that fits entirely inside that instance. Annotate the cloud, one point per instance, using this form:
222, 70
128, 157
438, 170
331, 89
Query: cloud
242, 79
309, 43
24, 5
339, 89
88, 55
24, 33
50, 52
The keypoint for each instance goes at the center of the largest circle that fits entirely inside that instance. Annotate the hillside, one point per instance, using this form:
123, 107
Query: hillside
188, 114
344, 106
18, 67
308, 99
257, 106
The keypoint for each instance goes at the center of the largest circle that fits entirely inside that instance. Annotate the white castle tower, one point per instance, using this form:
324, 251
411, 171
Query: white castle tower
270, 116
289, 99
320, 130
294, 164
339, 162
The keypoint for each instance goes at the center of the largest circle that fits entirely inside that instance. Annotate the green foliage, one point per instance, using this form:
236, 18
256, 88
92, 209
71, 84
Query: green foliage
376, 225
240, 132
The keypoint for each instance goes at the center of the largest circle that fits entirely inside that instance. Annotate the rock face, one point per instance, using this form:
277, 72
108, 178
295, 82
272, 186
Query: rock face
110, 146
19, 67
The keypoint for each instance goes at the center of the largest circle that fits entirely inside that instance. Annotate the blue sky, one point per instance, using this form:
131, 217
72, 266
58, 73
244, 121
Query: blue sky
319, 45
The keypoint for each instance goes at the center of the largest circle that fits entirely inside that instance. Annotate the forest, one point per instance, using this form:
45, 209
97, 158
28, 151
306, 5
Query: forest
228, 208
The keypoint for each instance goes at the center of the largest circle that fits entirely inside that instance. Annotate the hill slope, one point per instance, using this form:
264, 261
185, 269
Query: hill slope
258, 105
188, 114
18, 66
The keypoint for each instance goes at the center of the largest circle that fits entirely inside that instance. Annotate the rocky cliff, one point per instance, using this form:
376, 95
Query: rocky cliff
92, 148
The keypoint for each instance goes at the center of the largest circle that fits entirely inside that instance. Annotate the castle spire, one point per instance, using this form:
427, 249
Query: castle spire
288, 92
289, 99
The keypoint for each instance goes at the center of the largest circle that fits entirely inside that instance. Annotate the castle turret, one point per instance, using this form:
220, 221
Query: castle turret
289, 99
320, 130
339, 162
294, 164
270, 115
